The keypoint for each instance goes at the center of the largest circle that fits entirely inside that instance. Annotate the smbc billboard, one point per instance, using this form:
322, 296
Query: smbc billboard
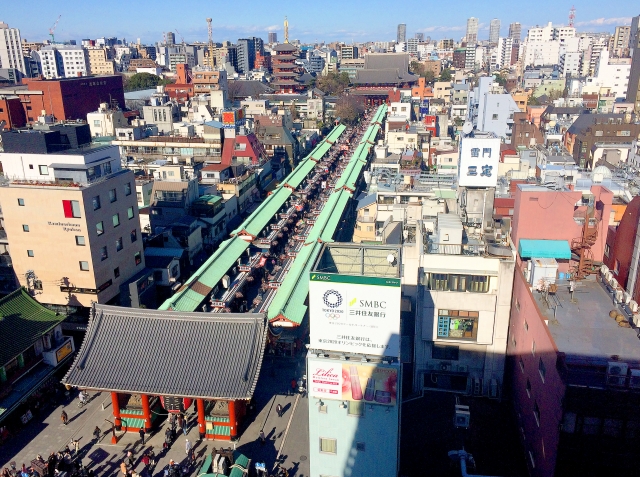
355, 314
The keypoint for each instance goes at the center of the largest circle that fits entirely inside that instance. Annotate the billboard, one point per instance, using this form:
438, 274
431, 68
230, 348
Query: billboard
355, 314
478, 163
350, 381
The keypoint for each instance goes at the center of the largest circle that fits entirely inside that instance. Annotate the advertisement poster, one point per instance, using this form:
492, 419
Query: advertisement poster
350, 381
355, 314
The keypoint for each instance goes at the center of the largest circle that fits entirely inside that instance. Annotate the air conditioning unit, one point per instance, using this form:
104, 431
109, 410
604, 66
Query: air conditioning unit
634, 381
462, 417
619, 295
494, 389
626, 298
614, 283
608, 276
445, 366
462, 368
604, 269
617, 373
476, 386
636, 319
633, 306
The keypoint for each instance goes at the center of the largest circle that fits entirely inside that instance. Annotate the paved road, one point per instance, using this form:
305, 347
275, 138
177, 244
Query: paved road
287, 436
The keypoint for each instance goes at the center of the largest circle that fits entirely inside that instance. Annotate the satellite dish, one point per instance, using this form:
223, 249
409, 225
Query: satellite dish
226, 281
467, 127
391, 258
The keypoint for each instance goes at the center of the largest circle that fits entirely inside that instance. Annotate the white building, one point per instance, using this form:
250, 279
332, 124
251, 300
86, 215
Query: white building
104, 121
490, 111
63, 61
612, 73
570, 63
11, 48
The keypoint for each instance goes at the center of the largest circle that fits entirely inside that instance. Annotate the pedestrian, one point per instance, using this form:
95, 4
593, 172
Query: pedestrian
152, 456
130, 459
123, 468
146, 461
64, 417
262, 438
185, 425
142, 434
293, 385
97, 433
76, 446
279, 409
180, 421
167, 438
187, 446
572, 286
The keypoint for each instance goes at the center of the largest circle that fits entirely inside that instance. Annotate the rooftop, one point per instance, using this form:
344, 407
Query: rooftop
583, 330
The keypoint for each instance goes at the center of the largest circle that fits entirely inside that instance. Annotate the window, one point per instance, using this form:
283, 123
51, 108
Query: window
25, 228
328, 446
96, 202
458, 324
542, 369
360, 446
116, 272
528, 387
103, 253
71, 208
355, 408
116, 220
517, 305
100, 228
84, 266
460, 283
30, 253
112, 195
119, 244
616, 267
450, 353
80, 240
521, 364
134, 235
526, 325
606, 249
37, 284
44, 170
533, 347
475, 152
127, 188
494, 117
107, 167
130, 213
137, 258
536, 413
21, 202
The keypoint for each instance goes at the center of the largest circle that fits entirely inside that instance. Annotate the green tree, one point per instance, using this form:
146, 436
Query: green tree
429, 76
144, 81
445, 75
333, 83
349, 109
501, 80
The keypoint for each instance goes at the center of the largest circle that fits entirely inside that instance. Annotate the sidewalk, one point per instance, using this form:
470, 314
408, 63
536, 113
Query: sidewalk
46, 433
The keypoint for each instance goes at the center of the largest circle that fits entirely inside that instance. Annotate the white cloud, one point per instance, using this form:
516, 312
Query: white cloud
443, 28
605, 21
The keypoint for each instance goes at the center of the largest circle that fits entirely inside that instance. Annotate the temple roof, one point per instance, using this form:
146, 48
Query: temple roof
170, 353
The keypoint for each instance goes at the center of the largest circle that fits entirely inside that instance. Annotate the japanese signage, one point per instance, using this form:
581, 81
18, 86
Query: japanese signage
355, 314
64, 351
347, 381
479, 159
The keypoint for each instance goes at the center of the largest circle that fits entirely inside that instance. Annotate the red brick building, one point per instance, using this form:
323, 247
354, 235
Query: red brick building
69, 98
11, 112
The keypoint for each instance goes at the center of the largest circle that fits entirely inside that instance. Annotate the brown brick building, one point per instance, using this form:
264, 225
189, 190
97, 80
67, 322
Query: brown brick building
525, 133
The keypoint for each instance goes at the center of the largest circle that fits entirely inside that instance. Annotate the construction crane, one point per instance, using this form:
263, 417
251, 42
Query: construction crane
211, 60
181, 37
53, 29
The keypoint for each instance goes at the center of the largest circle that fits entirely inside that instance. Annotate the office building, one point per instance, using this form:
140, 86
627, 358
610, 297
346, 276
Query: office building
472, 31
420, 37
494, 31
402, 33
515, 31
348, 52
170, 38
619, 42
100, 61
11, 48
354, 428
70, 215
63, 61
273, 37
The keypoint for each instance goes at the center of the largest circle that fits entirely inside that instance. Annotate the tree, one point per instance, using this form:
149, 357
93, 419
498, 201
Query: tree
333, 83
416, 68
429, 76
349, 109
445, 75
501, 80
144, 81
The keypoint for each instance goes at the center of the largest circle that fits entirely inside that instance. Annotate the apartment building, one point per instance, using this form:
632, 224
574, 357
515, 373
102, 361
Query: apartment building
11, 48
70, 215
100, 61
63, 61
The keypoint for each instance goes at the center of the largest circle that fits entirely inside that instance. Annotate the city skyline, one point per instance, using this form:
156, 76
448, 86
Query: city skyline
80, 21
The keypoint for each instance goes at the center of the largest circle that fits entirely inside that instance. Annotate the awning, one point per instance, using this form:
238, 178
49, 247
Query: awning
528, 248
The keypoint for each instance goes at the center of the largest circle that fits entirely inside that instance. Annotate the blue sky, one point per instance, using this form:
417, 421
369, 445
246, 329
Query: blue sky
328, 20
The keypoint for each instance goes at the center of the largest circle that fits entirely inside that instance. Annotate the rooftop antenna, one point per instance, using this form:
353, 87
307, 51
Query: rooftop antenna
286, 30
572, 16
210, 31
53, 29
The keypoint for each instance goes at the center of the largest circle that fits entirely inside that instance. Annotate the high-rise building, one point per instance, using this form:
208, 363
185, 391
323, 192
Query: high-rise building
633, 89
402, 33
11, 48
70, 215
63, 61
494, 31
247, 50
420, 37
171, 38
472, 31
515, 31
619, 42
273, 37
